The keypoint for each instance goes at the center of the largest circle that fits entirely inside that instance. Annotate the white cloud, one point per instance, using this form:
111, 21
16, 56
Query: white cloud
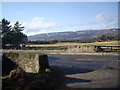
23, 24
37, 24
100, 19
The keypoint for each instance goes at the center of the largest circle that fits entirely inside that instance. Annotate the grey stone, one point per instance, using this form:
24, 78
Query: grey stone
84, 49
28, 62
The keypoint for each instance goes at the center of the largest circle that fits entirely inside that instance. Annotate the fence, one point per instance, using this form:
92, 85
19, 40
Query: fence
110, 48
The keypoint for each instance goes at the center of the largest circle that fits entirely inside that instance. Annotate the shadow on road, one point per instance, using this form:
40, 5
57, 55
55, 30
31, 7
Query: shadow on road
75, 80
69, 80
51, 58
72, 70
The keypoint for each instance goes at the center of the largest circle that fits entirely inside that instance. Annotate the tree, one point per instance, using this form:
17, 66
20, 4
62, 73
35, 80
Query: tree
12, 35
17, 36
6, 31
5, 27
103, 38
0, 29
0, 35
17, 27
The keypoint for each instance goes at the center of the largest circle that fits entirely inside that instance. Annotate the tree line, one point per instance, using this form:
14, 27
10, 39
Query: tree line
12, 35
101, 38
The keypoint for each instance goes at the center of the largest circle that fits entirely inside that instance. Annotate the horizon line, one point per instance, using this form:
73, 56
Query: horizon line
76, 31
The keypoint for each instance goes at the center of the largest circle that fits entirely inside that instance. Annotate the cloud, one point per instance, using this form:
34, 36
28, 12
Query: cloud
37, 24
23, 24
100, 19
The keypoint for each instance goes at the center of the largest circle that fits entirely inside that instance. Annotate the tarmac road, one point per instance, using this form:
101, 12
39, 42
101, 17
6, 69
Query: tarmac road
87, 71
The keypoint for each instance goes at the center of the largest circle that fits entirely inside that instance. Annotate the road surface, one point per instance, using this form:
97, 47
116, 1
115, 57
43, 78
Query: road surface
87, 71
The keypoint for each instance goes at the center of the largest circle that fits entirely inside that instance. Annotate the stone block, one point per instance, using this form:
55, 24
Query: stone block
28, 62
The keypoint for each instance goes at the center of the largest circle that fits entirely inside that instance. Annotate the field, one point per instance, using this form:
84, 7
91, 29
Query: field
110, 43
109, 46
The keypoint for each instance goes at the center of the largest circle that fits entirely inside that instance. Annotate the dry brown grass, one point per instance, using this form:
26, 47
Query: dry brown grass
110, 43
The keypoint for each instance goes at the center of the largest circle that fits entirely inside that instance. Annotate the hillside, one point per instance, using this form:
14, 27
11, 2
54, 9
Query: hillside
84, 34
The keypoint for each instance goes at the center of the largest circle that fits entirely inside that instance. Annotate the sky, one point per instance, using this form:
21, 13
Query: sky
47, 17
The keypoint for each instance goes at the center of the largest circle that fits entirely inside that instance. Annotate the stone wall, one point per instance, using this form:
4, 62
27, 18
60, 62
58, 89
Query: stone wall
28, 62
83, 49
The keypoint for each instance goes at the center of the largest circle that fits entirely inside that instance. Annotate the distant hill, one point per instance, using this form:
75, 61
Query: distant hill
84, 34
